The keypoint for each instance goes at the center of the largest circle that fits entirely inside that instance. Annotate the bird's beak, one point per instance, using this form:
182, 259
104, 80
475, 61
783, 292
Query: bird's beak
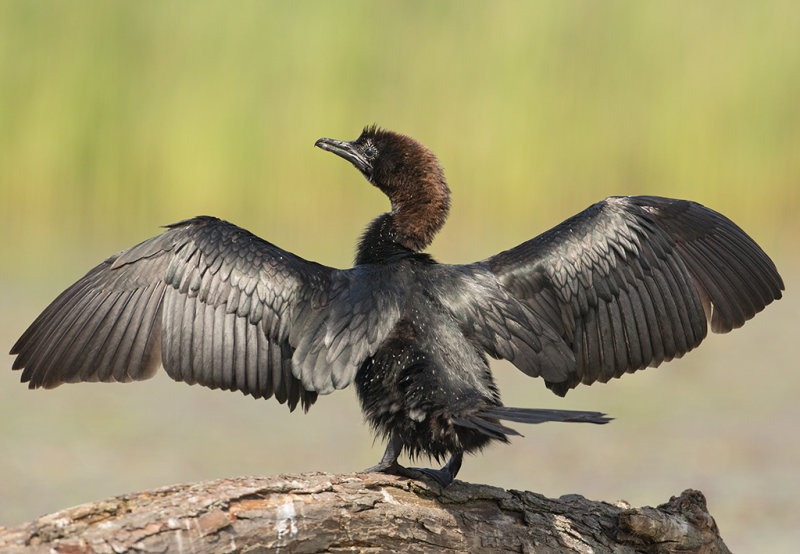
346, 150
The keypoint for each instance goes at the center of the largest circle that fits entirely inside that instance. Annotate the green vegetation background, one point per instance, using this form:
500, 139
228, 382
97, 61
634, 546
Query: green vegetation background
117, 117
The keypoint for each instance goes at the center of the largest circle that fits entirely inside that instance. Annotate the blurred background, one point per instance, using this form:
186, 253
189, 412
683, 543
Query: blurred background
118, 117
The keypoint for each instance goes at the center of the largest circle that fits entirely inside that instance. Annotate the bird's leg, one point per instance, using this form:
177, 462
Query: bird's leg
447, 474
389, 461
388, 464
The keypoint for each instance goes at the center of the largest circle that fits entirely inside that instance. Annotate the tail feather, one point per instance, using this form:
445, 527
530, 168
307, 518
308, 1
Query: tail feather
530, 415
492, 429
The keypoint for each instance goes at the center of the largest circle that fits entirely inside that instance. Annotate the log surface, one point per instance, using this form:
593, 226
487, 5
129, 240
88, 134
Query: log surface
373, 512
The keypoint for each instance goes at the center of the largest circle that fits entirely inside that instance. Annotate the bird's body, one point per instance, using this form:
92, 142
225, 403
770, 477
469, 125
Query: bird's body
626, 284
409, 387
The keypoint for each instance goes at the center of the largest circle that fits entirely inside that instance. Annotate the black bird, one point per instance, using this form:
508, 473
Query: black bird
626, 284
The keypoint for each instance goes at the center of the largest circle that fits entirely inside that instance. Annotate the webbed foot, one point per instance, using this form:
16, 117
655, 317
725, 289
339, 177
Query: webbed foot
447, 474
441, 476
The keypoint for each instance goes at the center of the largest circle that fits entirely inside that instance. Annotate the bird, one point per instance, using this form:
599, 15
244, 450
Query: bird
628, 283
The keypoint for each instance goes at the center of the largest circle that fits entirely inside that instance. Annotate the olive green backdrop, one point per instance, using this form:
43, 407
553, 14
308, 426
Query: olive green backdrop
117, 117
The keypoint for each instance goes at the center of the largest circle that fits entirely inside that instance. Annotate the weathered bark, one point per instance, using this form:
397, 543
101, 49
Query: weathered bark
363, 513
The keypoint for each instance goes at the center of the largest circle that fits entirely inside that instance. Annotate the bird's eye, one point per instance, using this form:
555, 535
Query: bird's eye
370, 152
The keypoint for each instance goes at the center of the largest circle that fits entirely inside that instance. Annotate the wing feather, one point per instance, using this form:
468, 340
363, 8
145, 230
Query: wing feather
88, 335
217, 306
146, 352
120, 356
633, 281
113, 336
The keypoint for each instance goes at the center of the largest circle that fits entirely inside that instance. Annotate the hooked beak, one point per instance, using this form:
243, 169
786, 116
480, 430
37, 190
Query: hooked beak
346, 150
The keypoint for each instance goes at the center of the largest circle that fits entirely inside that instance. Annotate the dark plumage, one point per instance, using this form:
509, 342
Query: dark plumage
628, 283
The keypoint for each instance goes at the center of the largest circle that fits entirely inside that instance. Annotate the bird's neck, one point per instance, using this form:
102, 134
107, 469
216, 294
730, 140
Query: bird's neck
418, 213
408, 228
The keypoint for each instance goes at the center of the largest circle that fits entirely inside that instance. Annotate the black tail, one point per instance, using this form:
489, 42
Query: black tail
529, 415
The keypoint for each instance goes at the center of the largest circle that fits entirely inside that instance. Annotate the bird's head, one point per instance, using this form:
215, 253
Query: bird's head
408, 173
397, 164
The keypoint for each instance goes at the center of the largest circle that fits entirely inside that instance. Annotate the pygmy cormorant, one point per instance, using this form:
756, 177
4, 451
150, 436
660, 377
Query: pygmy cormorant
626, 284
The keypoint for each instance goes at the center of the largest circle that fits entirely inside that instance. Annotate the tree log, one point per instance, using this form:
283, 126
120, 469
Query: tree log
372, 512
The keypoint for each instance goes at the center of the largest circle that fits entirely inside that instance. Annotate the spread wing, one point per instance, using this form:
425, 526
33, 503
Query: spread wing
631, 282
217, 306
